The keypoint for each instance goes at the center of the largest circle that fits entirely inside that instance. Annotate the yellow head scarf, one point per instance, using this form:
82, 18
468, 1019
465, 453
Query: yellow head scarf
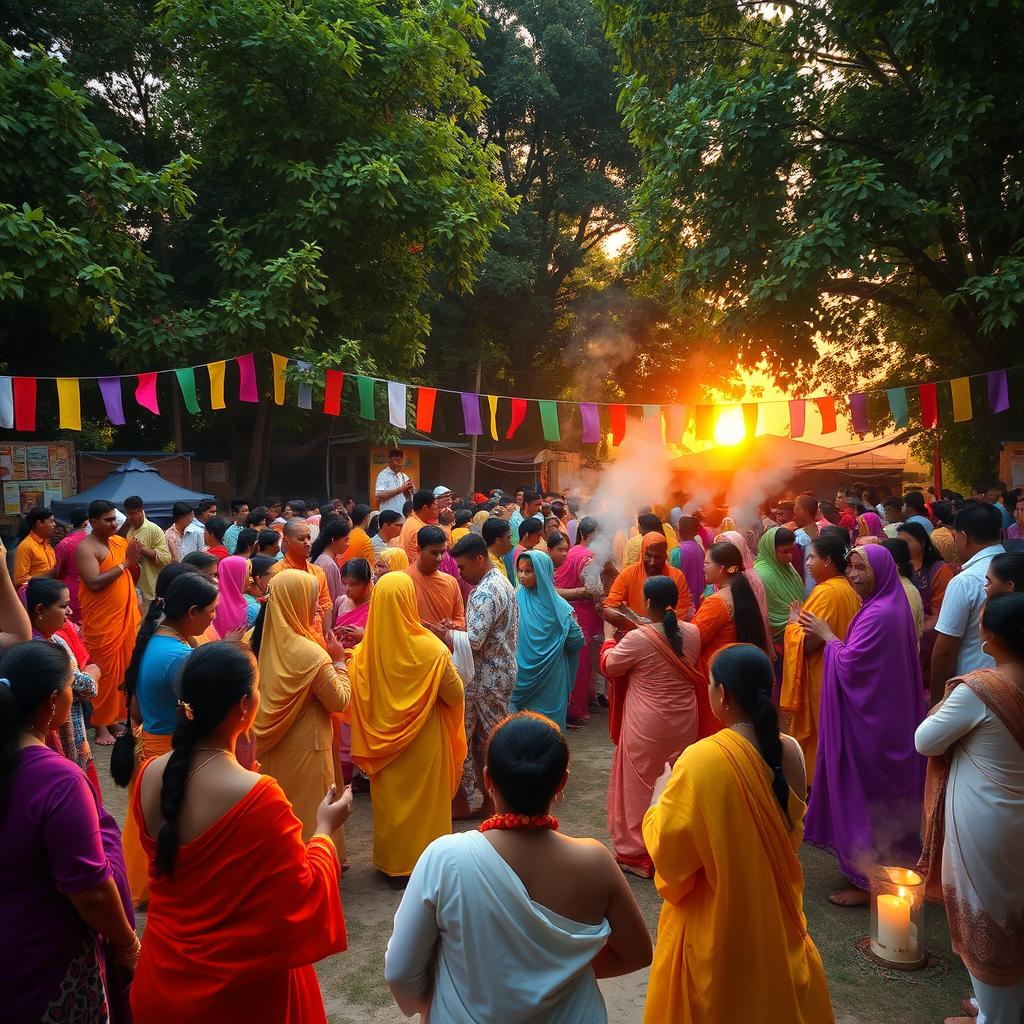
395, 559
290, 656
396, 672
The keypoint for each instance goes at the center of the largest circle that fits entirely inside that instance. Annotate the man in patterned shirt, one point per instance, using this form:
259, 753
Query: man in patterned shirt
492, 626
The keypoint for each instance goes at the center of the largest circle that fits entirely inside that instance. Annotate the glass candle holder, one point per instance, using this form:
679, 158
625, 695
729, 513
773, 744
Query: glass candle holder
897, 918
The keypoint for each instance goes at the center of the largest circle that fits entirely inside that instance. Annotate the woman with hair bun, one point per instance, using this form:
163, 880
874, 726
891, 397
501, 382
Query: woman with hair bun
723, 832
241, 907
974, 834
653, 678
515, 922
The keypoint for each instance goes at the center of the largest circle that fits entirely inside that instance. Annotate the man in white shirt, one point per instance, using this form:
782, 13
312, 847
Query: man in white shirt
393, 488
977, 528
194, 538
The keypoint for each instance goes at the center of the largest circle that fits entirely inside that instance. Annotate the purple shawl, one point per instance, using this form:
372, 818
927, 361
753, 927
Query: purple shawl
869, 779
691, 562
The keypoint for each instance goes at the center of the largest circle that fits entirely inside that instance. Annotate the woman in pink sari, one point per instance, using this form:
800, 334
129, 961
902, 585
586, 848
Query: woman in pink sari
578, 580
351, 611
654, 675
233, 576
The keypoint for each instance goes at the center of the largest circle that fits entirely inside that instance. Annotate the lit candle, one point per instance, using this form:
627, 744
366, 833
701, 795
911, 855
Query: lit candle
894, 922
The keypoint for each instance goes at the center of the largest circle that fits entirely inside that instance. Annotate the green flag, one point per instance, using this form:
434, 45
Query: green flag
187, 383
365, 386
549, 420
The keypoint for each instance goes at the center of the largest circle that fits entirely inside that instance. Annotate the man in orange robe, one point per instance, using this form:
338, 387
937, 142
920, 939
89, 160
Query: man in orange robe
628, 589
359, 543
108, 567
438, 596
424, 513
298, 543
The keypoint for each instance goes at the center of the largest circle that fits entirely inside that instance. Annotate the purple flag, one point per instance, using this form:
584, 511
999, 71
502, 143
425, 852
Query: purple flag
998, 398
591, 422
859, 412
110, 389
471, 413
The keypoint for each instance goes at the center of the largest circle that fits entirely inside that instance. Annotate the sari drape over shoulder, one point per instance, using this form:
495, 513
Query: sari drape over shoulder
324, 604
628, 588
655, 691
727, 869
869, 778
835, 602
408, 728
110, 620
782, 583
232, 611
569, 576
232, 936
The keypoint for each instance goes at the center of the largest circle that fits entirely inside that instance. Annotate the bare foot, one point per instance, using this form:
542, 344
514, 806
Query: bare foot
104, 737
851, 897
637, 872
959, 1020
461, 810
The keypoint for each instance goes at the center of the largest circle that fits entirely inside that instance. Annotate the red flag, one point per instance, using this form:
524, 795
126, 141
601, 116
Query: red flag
426, 398
145, 393
929, 405
518, 415
24, 403
618, 418
827, 408
797, 417
332, 392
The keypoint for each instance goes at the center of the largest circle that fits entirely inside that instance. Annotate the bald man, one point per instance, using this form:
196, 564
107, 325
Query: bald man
296, 544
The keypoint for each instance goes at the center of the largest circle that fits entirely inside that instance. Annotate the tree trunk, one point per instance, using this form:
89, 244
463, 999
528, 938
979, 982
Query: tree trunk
254, 464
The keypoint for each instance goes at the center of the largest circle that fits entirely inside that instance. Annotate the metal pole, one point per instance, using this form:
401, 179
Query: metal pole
473, 440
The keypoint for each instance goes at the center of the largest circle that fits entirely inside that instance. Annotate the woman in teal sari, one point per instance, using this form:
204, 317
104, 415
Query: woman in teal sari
550, 640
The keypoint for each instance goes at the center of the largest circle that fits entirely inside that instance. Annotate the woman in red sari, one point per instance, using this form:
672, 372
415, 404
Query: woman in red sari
654, 677
231, 937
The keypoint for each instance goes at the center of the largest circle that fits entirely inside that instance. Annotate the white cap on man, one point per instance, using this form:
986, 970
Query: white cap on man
441, 490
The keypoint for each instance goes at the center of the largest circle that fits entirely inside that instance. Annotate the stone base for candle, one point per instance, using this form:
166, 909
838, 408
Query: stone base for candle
863, 946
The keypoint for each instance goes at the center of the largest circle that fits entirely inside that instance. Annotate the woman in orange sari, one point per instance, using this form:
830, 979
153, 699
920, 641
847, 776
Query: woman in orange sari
232, 933
730, 615
653, 677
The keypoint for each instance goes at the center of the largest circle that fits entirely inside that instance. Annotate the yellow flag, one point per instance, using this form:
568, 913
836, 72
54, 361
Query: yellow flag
962, 409
69, 400
217, 383
492, 402
280, 365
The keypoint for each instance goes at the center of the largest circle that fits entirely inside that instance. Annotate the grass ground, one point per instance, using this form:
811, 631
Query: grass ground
862, 993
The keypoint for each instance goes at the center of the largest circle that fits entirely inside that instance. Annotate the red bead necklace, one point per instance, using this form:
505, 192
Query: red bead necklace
520, 822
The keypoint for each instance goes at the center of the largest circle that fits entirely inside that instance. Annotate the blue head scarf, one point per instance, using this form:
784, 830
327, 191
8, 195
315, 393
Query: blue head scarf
544, 621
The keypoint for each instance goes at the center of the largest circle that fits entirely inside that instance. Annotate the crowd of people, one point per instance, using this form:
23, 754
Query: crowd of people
845, 671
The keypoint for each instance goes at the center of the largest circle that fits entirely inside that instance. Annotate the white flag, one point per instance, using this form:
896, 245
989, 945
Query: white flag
396, 404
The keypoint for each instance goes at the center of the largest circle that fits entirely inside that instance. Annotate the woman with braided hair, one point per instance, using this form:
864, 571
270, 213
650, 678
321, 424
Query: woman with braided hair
231, 936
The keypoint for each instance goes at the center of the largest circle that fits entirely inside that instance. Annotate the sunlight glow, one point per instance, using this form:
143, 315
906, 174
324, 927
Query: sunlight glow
729, 427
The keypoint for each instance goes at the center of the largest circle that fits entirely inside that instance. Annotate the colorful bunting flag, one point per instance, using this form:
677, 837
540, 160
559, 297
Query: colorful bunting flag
859, 413
25, 403
591, 423
247, 389
929, 405
471, 413
426, 398
675, 423
110, 389
492, 405
396, 404
187, 384
898, 406
280, 366
998, 395
827, 408
652, 424
364, 385
751, 411
961, 392
6, 404
69, 403
704, 422
305, 397
145, 393
518, 416
549, 420
216, 372
333, 380
797, 417
618, 419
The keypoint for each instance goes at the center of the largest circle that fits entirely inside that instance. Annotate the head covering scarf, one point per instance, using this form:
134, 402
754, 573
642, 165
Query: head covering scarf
478, 521
395, 559
233, 574
290, 654
544, 622
782, 583
396, 673
872, 524
756, 585
737, 538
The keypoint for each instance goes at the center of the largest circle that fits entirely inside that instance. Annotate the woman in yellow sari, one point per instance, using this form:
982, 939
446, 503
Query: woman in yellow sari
723, 832
390, 560
835, 601
301, 685
408, 730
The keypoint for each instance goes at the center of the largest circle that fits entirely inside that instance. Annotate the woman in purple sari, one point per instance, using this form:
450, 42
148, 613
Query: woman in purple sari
64, 899
868, 789
578, 580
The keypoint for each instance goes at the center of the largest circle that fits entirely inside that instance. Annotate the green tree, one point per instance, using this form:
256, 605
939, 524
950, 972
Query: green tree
841, 173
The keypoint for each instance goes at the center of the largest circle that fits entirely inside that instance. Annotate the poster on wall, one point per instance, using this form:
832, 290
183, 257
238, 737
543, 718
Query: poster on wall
12, 498
18, 458
52, 491
31, 495
38, 459
6, 463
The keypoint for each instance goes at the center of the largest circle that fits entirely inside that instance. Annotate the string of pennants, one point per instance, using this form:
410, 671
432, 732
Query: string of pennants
19, 399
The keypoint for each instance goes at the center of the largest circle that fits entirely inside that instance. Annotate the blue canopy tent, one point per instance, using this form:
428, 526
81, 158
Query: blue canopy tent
133, 477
